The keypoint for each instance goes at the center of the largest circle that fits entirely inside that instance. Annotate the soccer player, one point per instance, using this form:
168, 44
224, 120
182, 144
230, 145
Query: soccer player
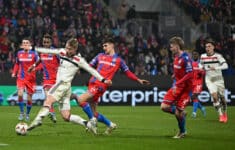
107, 64
213, 63
178, 96
70, 62
198, 76
25, 81
49, 64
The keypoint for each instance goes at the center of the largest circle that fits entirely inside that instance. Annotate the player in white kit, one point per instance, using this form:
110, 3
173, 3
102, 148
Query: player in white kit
213, 63
70, 62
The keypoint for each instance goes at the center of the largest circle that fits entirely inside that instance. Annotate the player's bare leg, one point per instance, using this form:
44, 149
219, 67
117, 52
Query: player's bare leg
44, 111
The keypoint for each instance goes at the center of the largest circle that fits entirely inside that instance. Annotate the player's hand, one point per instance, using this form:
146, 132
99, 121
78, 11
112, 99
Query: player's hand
13, 75
108, 82
31, 68
144, 82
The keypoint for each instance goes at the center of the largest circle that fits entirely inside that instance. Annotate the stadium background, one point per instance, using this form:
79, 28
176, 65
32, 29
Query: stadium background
141, 30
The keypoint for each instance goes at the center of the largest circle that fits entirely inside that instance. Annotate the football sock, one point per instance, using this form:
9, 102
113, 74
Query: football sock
172, 109
103, 119
181, 123
77, 119
87, 109
21, 104
44, 111
28, 108
195, 106
200, 105
218, 108
52, 109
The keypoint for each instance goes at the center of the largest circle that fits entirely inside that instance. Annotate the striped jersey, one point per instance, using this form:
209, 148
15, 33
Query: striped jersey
216, 61
24, 60
69, 65
49, 64
108, 65
182, 65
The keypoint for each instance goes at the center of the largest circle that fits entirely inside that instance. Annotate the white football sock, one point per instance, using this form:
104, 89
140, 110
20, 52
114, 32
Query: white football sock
77, 119
44, 111
218, 108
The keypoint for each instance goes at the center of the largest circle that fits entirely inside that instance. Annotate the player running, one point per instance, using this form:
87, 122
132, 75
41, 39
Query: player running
177, 97
107, 64
25, 81
213, 63
198, 76
49, 64
70, 62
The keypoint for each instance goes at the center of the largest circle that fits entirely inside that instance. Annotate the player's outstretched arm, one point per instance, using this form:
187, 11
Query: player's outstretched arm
83, 64
144, 82
48, 50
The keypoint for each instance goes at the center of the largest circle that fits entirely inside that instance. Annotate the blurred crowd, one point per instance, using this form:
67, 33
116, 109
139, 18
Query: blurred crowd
208, 10
89, 21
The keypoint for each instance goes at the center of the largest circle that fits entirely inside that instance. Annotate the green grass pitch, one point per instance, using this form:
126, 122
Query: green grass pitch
139, 128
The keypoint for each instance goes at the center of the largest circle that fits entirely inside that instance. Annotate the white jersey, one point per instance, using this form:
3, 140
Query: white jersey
69, 65
216, 61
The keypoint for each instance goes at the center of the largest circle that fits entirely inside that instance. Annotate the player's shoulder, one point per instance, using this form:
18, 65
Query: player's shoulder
78, 58
203, 55
218, 54
185, 55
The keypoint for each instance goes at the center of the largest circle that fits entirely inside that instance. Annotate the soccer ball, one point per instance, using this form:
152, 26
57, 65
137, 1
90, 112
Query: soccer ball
21, 128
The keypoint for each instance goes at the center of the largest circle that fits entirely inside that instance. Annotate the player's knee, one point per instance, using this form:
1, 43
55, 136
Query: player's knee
65, 115
163, 107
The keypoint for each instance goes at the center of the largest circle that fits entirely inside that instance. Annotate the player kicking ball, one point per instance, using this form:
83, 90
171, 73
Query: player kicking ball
70, 62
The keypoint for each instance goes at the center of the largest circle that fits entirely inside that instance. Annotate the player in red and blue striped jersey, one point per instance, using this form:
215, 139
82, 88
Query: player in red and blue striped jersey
49, 64
107, 64
178, 96
25, 80
198, 76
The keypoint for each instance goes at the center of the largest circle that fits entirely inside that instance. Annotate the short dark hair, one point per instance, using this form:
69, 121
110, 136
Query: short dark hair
47, 36
108, 40
210, 40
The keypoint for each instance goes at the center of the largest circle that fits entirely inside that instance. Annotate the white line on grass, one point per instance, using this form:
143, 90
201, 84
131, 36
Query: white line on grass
2, 144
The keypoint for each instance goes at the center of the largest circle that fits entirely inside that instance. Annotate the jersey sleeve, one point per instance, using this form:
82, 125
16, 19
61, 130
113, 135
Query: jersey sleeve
50, 51
82, 63
188, 64
222, 62
123, 66
94, 61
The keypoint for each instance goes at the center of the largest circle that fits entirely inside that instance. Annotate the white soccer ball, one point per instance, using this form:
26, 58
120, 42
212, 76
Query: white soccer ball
21, 128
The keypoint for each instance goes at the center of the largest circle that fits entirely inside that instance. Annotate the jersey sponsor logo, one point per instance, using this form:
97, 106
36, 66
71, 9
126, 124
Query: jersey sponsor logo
46, 58
107, 63
177, 66
25, 59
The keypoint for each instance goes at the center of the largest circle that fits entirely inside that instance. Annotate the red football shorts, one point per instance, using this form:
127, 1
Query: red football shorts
180, 98
96, 90
26, 84
197, 88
